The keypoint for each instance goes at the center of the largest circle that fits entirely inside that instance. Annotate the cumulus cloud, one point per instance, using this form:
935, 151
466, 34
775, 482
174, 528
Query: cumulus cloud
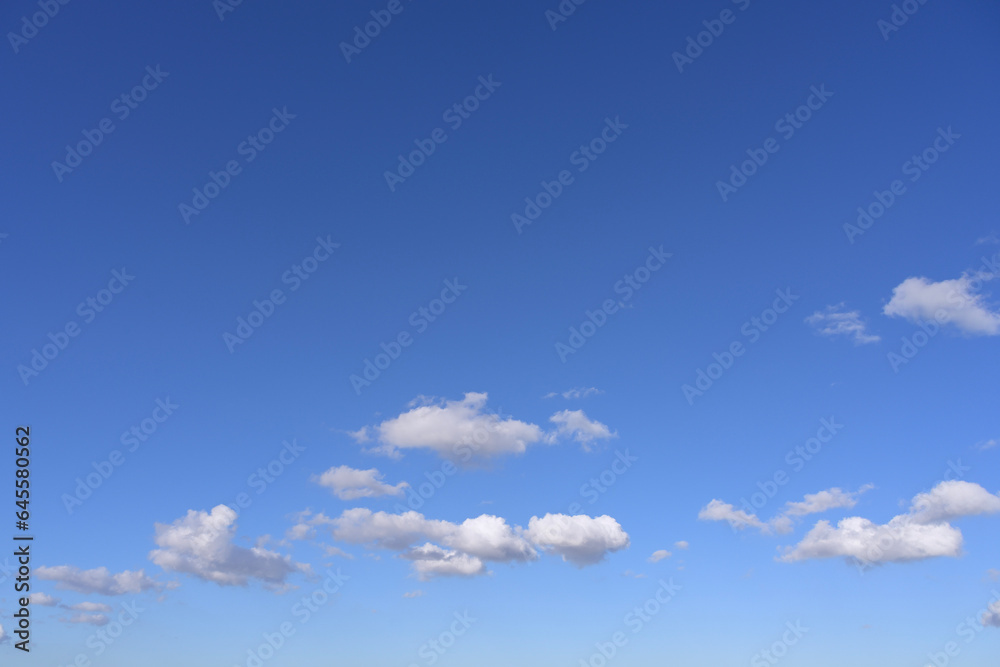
580, 539
444, 548
576, 392
456, 430
957, 301
838, 321
658, 555
44, 600
98, 580
350, 483
717, 510
576, 425
923, 532
201, 544
951, 500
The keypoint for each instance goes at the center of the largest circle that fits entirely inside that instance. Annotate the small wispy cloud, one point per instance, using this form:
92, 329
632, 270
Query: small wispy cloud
987, 444
576, 392
837, 321
989, 239
658, 555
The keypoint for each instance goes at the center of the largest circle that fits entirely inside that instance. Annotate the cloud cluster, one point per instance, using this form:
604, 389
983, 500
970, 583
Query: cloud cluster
957, 301
923, 532
464, 430
837, 321
350, 483
201, 544
444, 548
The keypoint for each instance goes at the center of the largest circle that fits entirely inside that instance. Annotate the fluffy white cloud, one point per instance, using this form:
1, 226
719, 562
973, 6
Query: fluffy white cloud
97, 580
951, 500
580, 539
900, 540
350, 483
575, 424
463, 549
201, 544
956, 301
44, 600
837, 321
923, 532
658, 555
456, 430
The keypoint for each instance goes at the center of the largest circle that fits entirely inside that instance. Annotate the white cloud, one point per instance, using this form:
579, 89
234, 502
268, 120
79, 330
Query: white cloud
97, 580
201, 544
44, 600
951, 500
575, 424
456, 430
89, 606
89, 619
813, 503
898, 541
576, 392
923, 532
987, 444
681, 544
990, 238
837, 321
956, 301
413, 594
716, 510
658, 555
463, 549
350, 483
993, 574
992, 616
581, 540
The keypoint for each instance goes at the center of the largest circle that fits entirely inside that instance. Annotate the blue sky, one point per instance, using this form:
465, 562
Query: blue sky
247, 174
